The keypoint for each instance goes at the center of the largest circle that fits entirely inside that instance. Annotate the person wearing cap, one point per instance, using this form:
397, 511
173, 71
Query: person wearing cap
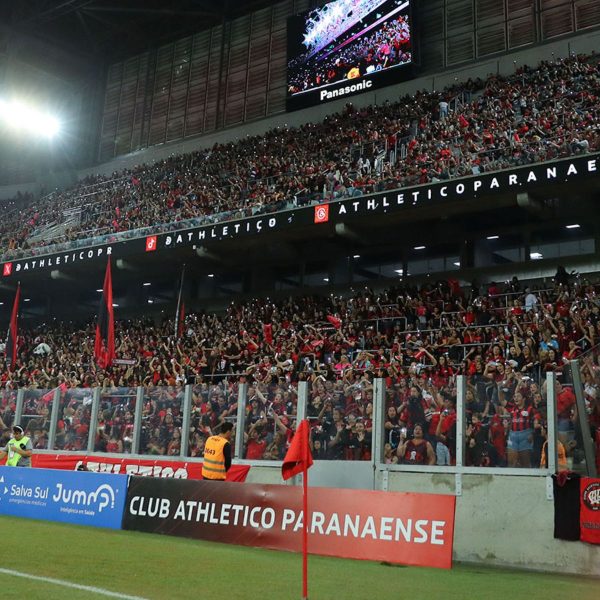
217, 454
18, 450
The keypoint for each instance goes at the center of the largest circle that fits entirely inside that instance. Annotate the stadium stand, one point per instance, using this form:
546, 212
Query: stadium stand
503, 337
537, 114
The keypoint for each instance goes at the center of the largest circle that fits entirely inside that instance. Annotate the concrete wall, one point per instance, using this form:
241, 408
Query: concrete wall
501, 520
504, 520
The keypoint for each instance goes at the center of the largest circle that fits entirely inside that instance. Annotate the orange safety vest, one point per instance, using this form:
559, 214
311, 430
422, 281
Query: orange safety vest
213, 466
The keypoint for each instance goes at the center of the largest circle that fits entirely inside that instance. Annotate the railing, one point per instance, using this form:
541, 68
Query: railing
411, 425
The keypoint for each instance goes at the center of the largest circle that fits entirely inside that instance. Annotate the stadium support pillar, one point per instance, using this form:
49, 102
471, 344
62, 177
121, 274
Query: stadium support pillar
93, 420
137, 420
241, 420
467, 254
185, 425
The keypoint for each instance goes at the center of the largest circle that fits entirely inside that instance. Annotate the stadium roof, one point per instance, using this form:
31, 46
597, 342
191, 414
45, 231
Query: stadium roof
115, 29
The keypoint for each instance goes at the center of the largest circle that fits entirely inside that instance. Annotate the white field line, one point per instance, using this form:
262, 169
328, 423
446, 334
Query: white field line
69, 584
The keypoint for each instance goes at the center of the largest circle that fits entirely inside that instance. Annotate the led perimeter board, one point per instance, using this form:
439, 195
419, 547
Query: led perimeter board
346, 47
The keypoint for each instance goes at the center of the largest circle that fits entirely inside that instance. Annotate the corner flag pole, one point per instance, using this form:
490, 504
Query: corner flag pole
305, 533
298, 459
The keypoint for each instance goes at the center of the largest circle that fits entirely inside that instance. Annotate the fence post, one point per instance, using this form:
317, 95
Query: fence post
551, 448
460, 420
588, 448
241, 420
93, 419
137, 421
19, 407
301, 407
378, 420
54, 419
185, 424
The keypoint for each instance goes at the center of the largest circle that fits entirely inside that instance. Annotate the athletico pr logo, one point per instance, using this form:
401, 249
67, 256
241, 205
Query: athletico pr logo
7, 270
322, 213
591, 496
151, 243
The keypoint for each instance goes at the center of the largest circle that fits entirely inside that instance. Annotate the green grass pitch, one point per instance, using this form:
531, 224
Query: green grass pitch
162, 567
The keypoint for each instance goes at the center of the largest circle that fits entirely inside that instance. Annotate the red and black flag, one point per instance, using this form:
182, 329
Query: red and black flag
104, 347
180, 310
10, 350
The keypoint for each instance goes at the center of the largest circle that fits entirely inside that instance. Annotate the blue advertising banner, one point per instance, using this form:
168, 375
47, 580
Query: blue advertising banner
71, 497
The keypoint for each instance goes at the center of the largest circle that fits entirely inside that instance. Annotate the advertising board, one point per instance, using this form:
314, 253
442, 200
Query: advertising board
405, 528
71, 497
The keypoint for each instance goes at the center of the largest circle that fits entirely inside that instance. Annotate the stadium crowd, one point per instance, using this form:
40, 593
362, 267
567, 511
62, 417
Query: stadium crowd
504, 338
534, 115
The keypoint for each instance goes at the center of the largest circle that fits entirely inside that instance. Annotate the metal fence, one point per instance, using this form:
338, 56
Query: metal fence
443, 426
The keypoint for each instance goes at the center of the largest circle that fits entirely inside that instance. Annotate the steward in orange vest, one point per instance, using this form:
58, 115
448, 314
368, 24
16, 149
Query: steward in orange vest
217, 454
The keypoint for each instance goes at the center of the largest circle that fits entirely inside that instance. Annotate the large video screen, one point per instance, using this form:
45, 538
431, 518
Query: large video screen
346, 47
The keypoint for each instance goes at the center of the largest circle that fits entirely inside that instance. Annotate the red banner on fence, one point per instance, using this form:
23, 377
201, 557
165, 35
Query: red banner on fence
133, 466
589, 516
405, 528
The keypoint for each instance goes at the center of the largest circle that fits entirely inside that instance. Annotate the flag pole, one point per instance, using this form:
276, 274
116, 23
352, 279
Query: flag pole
305, 533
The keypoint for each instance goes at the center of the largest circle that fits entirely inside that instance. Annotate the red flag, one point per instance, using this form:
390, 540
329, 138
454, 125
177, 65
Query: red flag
104, 346
298, 458
463, 122
337, 323
268, 332
10, 349
49, 396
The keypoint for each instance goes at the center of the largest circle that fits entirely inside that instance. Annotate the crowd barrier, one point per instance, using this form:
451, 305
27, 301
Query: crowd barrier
465, 426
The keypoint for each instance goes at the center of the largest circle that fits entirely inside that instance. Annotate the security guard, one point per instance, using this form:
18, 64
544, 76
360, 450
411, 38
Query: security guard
217, 454
18, 449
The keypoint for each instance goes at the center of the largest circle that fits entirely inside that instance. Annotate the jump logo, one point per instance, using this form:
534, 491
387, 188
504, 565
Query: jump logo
103, 497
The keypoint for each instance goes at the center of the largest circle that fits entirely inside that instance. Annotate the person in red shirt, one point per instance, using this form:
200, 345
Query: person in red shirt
256, 444
565, 401
520, 437
416, 451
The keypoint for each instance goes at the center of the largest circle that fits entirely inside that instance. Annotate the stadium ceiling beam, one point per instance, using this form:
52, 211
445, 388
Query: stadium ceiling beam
366, 273
49, 10
163, 12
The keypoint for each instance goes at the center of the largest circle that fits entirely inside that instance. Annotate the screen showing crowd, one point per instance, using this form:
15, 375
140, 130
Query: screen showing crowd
347, 40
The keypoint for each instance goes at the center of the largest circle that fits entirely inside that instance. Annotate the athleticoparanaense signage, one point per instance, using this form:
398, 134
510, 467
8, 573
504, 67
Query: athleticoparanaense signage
515, 181
404, 528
